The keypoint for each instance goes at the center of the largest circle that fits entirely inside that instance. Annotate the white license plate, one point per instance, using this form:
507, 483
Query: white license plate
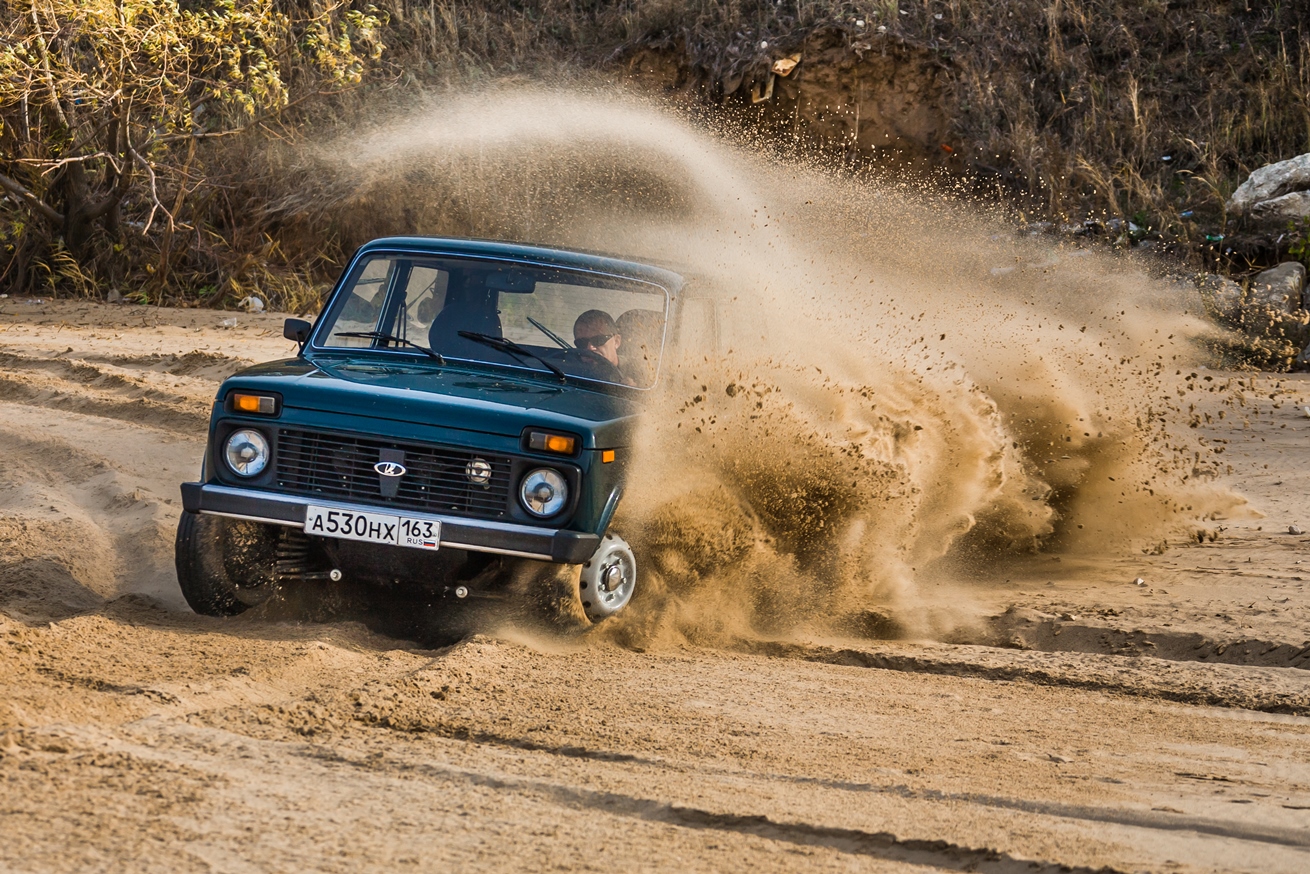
373, 527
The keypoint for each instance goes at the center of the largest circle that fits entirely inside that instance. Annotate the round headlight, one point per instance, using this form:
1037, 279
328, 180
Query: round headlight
246, 452
544, 492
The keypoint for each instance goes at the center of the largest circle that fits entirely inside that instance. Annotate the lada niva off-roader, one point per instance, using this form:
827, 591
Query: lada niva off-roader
456, 403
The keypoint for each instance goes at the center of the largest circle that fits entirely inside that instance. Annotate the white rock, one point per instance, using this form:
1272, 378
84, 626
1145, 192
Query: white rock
1271, 181
1294, 529
252, 303
1139, 582
1279, 210
1279, 288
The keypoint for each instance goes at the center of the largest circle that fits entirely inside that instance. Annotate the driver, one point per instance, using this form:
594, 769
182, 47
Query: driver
597, 336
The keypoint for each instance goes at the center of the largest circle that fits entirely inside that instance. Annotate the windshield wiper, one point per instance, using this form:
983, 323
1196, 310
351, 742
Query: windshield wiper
549, 333
383, 335
512, 348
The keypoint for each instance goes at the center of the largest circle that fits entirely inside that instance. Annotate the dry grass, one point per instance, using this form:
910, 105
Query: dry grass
1127, 107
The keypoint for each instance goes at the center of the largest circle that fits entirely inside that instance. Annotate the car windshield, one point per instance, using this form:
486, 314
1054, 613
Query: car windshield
587, 325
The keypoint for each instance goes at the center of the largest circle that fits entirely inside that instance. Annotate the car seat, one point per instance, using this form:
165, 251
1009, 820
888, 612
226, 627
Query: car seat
466, 309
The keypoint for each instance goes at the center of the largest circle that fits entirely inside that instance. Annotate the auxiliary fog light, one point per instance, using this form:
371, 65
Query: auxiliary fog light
478, 472
544, 492
246, 452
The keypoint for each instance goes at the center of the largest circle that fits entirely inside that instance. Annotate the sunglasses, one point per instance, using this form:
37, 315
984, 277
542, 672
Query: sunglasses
594, 342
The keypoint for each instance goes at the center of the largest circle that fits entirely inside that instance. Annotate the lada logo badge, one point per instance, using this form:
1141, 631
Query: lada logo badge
389, 468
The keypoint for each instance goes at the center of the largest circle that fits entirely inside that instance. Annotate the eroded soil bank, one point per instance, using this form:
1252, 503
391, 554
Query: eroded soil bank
1073, 719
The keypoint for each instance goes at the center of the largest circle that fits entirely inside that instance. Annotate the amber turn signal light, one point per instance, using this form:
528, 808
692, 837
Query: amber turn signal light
561, 444
606, 456
261, 404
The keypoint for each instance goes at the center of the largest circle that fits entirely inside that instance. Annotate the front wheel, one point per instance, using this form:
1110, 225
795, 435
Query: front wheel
224, 566
570, 598
608, 579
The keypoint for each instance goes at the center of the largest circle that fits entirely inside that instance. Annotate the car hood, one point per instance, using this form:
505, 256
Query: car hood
467, 399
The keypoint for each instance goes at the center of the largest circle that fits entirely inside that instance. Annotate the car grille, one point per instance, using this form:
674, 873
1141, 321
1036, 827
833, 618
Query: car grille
341, 468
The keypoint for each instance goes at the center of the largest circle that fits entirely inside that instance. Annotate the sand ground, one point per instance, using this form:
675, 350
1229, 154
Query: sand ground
1088, 722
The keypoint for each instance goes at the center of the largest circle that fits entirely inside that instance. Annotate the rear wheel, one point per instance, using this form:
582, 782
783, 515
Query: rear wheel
225, 566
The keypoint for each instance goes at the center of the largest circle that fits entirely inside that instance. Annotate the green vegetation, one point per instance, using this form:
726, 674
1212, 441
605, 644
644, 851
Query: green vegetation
133, 132
1299, 248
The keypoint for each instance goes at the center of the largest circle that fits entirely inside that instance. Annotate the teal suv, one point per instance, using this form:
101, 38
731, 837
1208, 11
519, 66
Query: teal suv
457, 407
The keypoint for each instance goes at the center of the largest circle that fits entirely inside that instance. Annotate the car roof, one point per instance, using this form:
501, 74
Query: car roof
567, 258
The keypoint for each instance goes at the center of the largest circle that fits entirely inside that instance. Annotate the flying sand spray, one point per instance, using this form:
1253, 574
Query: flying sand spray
892, 388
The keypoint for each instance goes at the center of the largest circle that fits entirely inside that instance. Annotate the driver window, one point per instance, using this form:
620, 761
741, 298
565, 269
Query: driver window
364, 305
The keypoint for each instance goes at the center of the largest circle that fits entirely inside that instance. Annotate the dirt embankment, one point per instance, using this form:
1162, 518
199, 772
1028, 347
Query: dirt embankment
890, 105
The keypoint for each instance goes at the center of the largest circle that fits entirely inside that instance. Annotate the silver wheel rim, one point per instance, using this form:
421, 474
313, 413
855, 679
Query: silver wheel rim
608, 578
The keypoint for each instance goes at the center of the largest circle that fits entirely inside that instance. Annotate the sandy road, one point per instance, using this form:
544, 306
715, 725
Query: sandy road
1082, 722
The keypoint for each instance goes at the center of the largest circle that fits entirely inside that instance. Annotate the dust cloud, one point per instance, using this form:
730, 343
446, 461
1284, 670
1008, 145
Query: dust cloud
878, 385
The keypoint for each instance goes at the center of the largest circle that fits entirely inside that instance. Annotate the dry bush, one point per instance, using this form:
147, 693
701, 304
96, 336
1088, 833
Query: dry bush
109, 109
1085, 107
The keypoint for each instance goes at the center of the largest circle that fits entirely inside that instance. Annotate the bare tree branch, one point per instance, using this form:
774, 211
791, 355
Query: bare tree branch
157, 205
45, 68
51, 166
36, 204
115, 195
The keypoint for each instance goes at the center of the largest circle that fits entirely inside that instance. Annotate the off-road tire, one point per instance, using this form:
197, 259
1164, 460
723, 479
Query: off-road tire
224, 566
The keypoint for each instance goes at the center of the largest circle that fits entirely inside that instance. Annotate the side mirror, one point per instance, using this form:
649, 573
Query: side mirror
298, 330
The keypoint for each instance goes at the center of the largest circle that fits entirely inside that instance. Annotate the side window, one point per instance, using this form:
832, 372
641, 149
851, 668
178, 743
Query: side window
363, 307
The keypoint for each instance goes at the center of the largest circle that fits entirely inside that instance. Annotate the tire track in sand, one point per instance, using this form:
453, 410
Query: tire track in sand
102, 391
1269, 690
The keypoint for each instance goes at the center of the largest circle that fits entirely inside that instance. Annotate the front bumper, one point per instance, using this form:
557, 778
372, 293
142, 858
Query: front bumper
503, 538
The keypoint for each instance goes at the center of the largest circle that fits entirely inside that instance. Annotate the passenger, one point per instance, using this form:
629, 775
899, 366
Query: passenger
598, 339
643, 334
